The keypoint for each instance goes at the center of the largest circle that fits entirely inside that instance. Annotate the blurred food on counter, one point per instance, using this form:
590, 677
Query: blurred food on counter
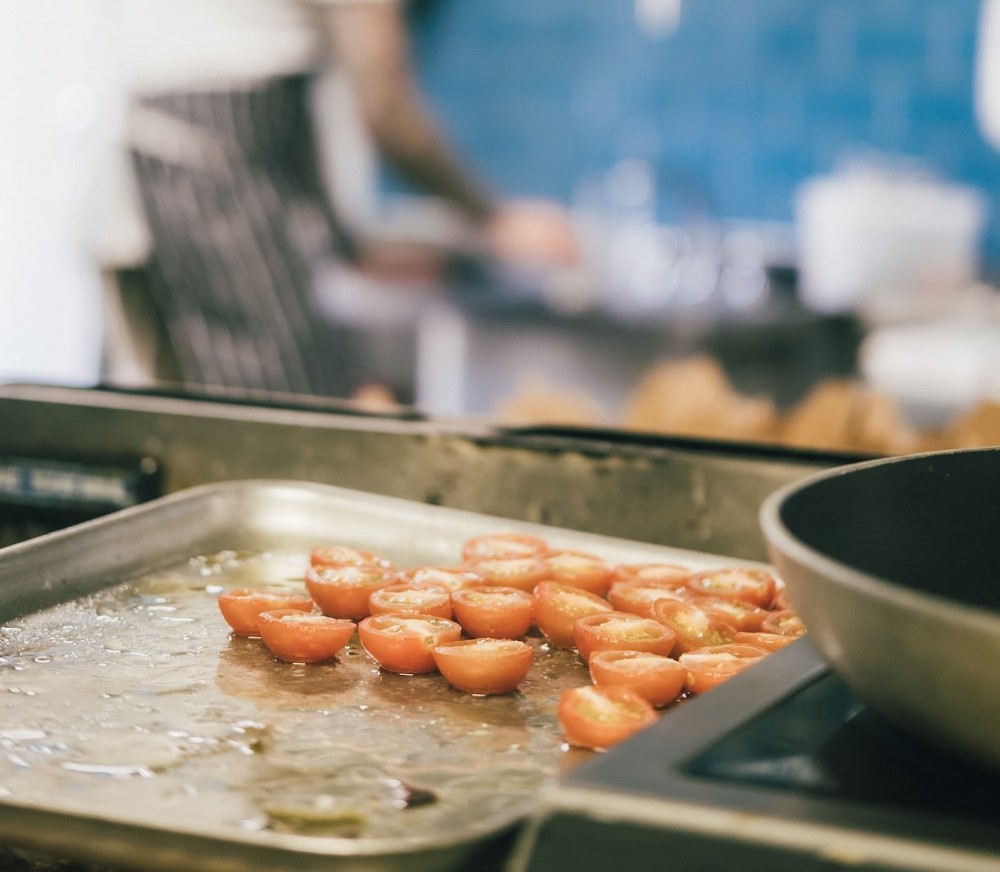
693, 397
537, 401
978, 427
846, 415
375, 397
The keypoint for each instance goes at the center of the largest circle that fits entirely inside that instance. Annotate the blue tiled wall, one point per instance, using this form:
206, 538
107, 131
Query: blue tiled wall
743, 100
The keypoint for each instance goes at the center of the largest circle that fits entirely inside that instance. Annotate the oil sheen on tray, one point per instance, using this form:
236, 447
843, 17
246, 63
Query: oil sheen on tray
137, 701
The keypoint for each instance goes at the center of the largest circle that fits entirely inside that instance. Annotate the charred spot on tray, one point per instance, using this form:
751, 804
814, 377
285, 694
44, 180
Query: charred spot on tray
416, 797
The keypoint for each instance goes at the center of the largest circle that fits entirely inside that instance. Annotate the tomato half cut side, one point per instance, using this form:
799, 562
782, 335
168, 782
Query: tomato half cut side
601, 717
622, 631
490, 546
655, 572
521, 572
785, 622
492, 611
637, 595
692, 625
241, 606
484, 666
780, 601
425, 600
579, 569
557, 607
405, 643
298, 637
344, 591
451, 577
749, 585
767, 641
709, 667
739, 614
345, 555
657, 679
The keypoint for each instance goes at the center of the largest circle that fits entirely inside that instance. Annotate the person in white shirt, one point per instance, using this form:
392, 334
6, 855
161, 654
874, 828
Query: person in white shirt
236, 211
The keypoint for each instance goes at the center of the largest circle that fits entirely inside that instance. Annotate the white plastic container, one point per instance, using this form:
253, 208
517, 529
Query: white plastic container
935, 370
869, 231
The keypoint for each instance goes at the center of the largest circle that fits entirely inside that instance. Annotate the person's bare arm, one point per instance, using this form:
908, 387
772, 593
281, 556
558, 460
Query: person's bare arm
371, 43
372, 46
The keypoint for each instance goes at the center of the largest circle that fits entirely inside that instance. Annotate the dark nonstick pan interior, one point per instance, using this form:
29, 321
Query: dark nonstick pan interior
894, 566
930, 523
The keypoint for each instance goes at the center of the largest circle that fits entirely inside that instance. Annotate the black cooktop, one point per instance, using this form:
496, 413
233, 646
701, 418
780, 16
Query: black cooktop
822, 741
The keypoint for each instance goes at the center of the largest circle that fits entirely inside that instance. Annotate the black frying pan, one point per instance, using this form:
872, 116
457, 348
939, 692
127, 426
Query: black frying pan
894, 566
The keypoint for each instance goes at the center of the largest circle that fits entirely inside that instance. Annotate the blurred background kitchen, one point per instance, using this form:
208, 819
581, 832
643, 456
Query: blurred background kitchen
788, 214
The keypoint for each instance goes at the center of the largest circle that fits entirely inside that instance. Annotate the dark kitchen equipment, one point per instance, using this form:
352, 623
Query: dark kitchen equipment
41, 493
894, 565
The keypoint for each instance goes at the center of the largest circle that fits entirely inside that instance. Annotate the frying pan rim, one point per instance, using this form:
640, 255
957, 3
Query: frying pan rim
781, 539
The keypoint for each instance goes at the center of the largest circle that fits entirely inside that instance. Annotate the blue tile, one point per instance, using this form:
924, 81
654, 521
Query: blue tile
751, 96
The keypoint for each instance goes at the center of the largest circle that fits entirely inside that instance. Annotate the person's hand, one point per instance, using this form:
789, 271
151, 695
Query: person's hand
403, 262
532, 233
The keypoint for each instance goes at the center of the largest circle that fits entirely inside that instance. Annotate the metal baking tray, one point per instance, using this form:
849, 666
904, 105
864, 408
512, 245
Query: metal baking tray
135, 732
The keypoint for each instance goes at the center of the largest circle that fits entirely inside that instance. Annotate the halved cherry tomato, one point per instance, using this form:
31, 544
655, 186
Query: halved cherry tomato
709, 667
780, 601
637, 595
491, 611
345, 555
297, 637
785, 622
600, 717
693, 626
579, 569
520, 572
241, 606
657, 679
405, 642
484, 666
451, 577
767, 641
665, 572
425, 600
490, 546
621, 631
739, 614
343, 591
557, 607
749, 585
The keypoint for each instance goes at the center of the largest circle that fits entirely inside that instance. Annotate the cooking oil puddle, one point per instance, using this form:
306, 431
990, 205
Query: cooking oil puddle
114, 771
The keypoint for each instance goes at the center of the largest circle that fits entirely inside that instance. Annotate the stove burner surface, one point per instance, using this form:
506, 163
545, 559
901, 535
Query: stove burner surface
822, 740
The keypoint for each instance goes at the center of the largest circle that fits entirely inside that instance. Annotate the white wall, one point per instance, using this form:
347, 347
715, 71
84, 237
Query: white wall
53, 81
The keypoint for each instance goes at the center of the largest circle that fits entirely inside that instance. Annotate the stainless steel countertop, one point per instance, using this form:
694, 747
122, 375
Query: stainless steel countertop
683, 493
